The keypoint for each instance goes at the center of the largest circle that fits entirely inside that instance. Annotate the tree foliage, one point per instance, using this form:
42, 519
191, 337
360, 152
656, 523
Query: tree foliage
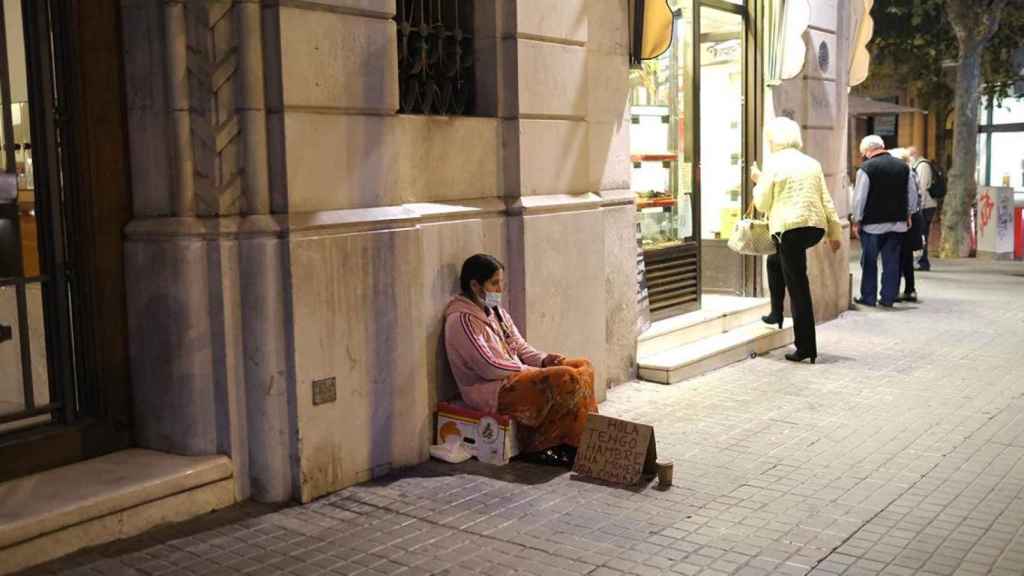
914, 39
917, 41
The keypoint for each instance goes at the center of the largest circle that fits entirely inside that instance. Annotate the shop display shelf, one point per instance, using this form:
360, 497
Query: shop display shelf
658, 157
662, 202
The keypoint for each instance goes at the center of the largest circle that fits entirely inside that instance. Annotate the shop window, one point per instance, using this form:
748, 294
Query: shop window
1007, 160
661, 103
981, 173
1009, 111
435, 57
1001, 139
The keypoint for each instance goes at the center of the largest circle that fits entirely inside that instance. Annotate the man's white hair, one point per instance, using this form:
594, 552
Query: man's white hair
872, 142
781, 133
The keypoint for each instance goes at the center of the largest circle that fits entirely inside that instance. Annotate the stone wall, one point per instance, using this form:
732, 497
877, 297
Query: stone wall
292, 227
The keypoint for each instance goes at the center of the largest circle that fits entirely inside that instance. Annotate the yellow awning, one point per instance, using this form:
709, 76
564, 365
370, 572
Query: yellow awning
658, 22
650, 29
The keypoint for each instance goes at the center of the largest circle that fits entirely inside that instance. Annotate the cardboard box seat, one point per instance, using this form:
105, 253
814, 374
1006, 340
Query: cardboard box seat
489, 437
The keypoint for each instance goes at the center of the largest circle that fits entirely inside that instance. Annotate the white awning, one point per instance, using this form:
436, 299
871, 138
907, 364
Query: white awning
861, 106
862, 28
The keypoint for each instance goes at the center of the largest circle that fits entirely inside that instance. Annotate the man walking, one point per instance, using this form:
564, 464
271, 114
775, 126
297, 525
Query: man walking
925, 177
885, 195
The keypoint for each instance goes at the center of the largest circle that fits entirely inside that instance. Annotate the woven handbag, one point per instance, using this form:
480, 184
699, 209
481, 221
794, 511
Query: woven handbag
751, 236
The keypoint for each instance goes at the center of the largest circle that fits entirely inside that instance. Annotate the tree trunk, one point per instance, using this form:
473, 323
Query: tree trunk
974, 23
963, 182
939, 113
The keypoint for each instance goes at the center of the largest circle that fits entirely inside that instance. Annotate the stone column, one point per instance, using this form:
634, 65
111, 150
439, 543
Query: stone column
817, 99
565, 163
204, 267
608, 123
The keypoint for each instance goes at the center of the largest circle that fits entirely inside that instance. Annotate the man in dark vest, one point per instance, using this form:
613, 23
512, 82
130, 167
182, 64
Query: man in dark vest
885, 195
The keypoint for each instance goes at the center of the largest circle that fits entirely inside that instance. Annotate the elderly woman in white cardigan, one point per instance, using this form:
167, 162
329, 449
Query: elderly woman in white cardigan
793, 193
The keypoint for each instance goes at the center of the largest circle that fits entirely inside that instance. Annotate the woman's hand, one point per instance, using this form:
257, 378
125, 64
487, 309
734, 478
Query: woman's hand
755, 173
835, 245
552, 360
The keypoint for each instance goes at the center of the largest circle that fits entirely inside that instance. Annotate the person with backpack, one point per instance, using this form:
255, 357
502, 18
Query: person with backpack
933, 188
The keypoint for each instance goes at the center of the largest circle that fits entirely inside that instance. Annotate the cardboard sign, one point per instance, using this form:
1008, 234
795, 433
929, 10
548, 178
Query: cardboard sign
616, 451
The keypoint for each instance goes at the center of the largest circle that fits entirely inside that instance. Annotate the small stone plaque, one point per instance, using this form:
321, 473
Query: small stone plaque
324, 391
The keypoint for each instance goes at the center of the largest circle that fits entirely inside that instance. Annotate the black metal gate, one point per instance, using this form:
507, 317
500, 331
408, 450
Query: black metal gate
36, 275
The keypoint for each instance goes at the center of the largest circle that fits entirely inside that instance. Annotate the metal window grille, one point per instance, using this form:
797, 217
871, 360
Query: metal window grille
435, 56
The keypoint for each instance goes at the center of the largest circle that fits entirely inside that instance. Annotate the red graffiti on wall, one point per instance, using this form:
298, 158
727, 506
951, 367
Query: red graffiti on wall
987, 205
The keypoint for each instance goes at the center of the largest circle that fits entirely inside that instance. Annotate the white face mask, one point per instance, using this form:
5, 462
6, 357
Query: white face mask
492, 299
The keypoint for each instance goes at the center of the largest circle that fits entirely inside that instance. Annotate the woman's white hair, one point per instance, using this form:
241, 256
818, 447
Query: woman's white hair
872, 142
901, 153
782, 133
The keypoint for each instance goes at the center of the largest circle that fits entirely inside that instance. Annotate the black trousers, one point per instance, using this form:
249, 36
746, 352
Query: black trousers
928, 214
907, 266
787, 270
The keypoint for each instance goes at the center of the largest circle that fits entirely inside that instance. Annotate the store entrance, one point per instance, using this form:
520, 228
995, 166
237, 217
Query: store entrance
689, 141
723, 141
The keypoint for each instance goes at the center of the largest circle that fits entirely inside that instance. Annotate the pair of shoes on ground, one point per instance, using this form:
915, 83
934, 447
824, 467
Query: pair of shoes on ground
908, 297
860, 302
562, 455
883, 304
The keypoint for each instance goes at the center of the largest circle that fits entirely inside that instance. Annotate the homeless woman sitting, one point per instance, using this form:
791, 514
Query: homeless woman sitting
547, 395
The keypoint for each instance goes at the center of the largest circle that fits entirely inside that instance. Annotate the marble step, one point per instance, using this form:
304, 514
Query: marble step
53, 513
718, 314
696, 358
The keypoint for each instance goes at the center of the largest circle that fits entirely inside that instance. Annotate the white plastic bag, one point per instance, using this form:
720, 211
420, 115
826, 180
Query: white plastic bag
452, 451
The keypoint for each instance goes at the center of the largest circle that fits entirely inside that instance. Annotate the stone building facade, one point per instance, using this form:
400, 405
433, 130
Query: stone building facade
290, 227
224, 241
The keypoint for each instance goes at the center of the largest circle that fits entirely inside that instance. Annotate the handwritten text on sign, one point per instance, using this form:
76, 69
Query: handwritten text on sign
615, 450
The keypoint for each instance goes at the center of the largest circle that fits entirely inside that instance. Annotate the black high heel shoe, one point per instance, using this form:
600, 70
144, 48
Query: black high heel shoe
772, 319
800, 357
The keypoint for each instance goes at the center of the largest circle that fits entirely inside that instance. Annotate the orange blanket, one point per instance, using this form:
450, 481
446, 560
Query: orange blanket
550, 404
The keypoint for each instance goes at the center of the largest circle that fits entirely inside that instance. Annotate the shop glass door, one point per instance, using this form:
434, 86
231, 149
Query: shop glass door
663, 156
722, 112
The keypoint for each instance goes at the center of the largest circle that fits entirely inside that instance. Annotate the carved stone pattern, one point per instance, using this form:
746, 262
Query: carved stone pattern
216, 133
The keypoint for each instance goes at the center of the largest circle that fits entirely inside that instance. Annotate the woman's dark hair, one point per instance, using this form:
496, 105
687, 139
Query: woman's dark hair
479, 267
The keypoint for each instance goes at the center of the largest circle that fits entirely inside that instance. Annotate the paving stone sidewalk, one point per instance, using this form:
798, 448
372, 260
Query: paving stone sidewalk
900, 452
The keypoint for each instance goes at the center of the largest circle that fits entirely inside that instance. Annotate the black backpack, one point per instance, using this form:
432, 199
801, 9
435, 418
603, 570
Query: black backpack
938, 188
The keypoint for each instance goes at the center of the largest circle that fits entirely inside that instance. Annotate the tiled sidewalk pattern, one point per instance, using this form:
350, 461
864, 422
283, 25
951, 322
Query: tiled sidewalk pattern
900, 452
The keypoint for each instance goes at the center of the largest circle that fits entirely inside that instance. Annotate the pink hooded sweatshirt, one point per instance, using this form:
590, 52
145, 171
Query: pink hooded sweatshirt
484, 350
